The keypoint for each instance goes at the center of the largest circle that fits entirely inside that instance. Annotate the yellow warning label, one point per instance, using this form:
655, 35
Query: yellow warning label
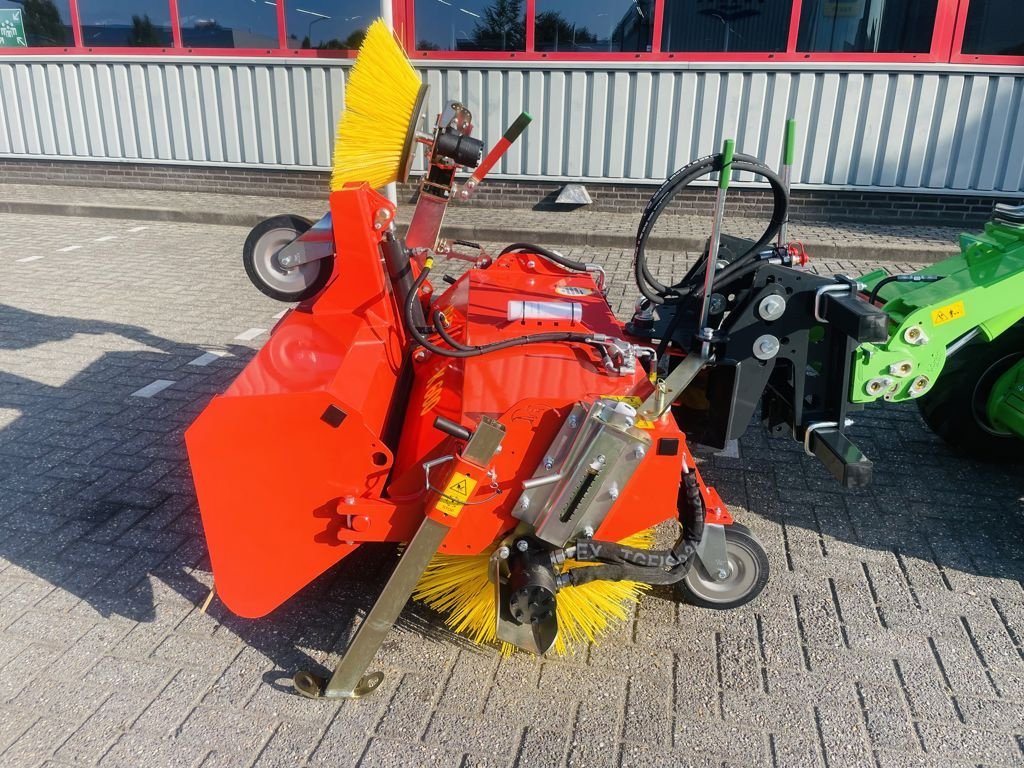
636, 402
456, 494
947, 313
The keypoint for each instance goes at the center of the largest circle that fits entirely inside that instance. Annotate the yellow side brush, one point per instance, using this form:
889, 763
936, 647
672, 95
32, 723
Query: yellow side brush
383, 100
457, 585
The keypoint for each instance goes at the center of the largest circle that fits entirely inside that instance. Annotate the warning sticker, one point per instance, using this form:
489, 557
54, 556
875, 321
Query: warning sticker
636, 402
456, 494
947, 313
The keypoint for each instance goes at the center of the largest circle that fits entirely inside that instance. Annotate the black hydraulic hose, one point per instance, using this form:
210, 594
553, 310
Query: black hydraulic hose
465, 351
665, 566
558, 258
649, 285
905, 278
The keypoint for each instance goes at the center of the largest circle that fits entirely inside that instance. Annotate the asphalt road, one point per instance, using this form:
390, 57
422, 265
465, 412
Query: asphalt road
890, 634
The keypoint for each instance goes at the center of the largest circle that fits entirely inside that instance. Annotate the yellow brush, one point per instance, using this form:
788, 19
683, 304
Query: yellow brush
457, 585
383, 100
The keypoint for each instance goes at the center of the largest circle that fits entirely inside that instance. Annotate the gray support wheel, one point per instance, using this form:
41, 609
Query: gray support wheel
747, 575
259, 255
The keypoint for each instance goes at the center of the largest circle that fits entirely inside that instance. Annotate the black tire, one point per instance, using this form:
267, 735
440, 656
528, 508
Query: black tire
954, 408
749, 571
259, 255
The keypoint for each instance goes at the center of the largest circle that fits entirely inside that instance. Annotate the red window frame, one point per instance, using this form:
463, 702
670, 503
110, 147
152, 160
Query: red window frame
957, 45
947, 43
946, 17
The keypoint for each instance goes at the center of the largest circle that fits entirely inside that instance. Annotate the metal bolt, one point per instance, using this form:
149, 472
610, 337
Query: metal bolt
639, 453
878, 385
420, 355
522, 545
503, 553
771, 307
766, 347
350, 500
549, 462
285, 261
722, 574
919, 386
573, 422
914, 335
531, 264
902, 368
613, 492
524, 503
588, 532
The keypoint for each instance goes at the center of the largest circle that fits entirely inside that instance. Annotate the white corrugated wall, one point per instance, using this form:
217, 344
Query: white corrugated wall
901, 128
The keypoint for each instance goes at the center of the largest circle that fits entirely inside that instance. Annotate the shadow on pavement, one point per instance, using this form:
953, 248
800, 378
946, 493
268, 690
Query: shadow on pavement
97, 497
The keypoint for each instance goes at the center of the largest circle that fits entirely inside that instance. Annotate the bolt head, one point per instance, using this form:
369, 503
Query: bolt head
549, 462
522, 545
588, 532
722, 574
503, 553
639, 453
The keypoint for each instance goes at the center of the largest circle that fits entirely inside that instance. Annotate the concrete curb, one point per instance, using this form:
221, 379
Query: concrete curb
819, 250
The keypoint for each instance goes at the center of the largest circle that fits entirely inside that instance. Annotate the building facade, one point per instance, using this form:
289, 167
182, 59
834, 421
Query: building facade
918, 101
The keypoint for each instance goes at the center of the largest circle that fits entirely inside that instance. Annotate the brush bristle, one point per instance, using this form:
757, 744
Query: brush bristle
457, 586
380, 97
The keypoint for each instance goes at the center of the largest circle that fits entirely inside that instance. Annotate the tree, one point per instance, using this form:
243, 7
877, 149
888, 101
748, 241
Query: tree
553, 30
143, 33
501, 27
43, 24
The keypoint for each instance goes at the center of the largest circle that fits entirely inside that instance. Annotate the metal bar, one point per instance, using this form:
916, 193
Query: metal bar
349, 679
788, 153
668, 389
716, 233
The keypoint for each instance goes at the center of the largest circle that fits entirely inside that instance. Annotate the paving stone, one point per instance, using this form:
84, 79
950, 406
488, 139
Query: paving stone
891, 633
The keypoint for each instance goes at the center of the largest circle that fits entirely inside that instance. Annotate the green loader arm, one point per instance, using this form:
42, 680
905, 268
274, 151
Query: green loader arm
981, 293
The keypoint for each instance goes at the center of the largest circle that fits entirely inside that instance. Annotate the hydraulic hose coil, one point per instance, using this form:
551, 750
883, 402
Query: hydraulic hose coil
651, 288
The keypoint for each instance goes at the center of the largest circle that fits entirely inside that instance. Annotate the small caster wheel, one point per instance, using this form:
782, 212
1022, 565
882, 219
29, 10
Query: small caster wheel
746, 577
259, 255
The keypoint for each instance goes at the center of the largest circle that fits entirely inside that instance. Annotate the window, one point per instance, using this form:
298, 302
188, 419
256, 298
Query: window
328, 25
726, 25
45, 23
470, 25
597, 26
994, 28
228, 23
872, 26
115, 23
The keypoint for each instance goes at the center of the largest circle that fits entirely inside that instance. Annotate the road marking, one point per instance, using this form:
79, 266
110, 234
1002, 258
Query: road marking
151, 389
251, 334
731, 450
29, 258
105, 238
137, 229
69, 248
207, 358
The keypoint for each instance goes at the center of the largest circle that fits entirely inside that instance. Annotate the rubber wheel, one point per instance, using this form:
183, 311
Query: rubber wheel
955, 407
259, 255
748, 574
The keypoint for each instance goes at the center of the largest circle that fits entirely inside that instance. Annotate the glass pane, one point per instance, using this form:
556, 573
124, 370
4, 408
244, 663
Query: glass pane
142, 23
753, 26
228, 23
328, 25
44, 22
470, 25
597, 26
873, 26
994, 27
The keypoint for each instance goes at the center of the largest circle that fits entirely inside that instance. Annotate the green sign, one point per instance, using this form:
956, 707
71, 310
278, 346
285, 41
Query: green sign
12, 29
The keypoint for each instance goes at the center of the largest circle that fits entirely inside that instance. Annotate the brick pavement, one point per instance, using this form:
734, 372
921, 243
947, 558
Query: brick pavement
907, 241
891, 633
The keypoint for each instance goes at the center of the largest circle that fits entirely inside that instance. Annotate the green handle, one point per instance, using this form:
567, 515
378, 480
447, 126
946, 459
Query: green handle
727, 152
789, 152
514, 130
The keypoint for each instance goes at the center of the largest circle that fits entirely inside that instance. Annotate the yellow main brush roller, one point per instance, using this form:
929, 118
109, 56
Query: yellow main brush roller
383, 100
457, 586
